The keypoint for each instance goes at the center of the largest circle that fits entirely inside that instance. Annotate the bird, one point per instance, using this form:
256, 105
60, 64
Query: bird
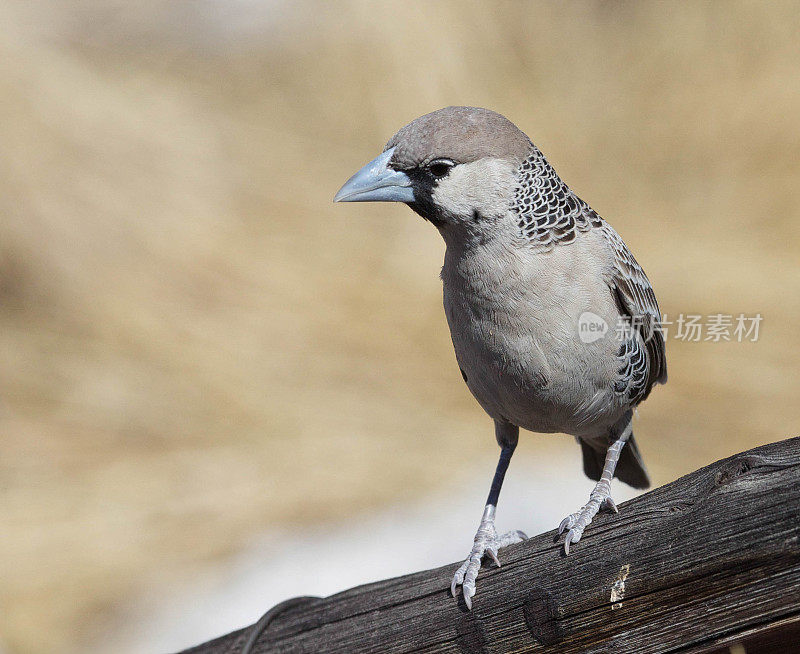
555, 325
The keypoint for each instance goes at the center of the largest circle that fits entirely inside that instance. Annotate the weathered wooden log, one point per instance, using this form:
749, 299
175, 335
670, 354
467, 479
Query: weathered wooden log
708, 563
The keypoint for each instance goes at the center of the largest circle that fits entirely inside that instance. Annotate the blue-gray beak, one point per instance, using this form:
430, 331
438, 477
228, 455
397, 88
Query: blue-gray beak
376, 182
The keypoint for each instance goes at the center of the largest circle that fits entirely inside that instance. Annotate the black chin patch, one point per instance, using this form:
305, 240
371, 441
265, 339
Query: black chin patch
423, 185
428, 212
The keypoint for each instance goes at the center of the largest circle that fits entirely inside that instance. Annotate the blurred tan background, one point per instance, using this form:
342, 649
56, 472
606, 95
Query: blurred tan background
198, 347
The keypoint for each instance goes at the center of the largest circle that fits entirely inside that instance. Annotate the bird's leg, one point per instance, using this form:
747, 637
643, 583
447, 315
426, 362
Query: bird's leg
599, 498
487, 541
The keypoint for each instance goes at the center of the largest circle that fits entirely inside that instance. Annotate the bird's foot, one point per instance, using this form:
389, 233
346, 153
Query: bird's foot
575, 523
486, 542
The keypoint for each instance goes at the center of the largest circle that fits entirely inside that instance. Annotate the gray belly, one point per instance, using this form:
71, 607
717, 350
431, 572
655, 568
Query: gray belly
534, 371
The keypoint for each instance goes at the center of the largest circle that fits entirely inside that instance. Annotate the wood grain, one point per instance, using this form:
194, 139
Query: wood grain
710, 560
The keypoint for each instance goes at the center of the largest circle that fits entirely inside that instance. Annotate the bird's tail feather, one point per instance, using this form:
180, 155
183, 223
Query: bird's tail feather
630, 467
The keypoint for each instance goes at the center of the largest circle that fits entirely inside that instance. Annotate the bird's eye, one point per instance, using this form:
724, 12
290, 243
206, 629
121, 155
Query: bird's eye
440, 167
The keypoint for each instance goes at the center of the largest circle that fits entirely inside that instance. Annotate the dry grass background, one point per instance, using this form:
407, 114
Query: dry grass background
197, 345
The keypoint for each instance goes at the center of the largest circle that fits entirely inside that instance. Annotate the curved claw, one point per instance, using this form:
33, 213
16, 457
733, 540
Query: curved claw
468, 587
458, 578
493, 556
566, 523
609, 503
573, 536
